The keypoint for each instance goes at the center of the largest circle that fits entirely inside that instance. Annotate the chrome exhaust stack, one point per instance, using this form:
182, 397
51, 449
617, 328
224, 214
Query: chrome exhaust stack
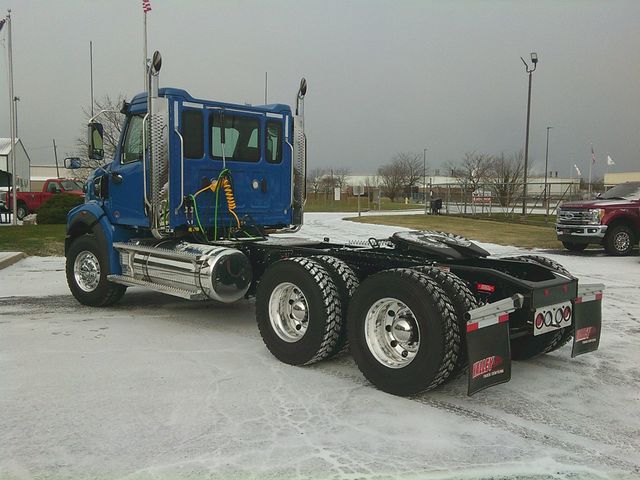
158, 121
187, 270
299, 160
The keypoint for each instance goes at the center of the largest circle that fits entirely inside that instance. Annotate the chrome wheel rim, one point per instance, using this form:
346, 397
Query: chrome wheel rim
622, 241
86, 271
288, 312
392, 333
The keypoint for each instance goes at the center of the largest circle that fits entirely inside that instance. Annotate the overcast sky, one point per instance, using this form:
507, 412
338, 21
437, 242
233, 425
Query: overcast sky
384, 76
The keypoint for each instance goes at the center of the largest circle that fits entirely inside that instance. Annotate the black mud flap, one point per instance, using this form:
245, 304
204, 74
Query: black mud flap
488, 345
587, 319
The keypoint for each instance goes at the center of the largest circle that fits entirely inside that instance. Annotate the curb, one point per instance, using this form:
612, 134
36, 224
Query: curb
9, 258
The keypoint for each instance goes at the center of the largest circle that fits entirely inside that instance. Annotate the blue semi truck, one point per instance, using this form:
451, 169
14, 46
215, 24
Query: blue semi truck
201, 200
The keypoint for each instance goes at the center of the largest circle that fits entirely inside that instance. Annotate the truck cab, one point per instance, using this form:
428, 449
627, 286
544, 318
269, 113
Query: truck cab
257, 156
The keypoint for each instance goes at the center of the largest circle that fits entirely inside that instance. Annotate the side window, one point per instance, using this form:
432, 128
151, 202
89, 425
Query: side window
242, 137
193, 133
274, 141
53, 187
132, 148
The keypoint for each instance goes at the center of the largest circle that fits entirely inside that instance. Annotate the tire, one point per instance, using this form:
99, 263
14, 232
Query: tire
463, 300
530, 346
546, 262
428, 337
92, 288
346, 280
575, 247
21, 211
619, 240
298, 311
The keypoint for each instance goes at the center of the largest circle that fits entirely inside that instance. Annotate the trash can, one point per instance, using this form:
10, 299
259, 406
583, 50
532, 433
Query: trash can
436, 206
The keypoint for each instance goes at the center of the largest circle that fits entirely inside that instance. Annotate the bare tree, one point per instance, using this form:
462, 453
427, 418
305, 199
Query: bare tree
340, 176
111, 121
413, 167
507, 177
392, 179
473, 169
315, 179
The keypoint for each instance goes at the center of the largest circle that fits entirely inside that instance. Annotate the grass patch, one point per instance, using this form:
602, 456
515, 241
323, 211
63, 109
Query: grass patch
520, 235
40, 240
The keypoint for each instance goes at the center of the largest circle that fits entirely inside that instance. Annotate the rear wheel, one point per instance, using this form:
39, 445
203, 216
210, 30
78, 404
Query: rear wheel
87, 268
298, 311
347, 282
619, 240
575, 247
462, 299
403, 332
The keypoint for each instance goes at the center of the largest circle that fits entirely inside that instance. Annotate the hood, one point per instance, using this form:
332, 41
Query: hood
598, 203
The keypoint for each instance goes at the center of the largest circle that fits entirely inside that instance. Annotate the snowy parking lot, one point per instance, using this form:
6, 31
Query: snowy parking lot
159, 387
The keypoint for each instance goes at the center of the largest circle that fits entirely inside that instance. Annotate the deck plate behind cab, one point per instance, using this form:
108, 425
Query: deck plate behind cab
440, 244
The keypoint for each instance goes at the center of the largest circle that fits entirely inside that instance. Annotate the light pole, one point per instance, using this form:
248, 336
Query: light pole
546, 170
424, 178
529, 70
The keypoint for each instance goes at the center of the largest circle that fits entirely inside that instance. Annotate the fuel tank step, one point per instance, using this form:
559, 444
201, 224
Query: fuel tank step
176, 292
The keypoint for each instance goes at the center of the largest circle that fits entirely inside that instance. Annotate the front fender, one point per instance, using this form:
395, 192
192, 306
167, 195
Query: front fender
90, 218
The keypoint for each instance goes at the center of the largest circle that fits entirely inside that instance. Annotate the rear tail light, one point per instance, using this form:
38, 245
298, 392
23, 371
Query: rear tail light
567, 313
559, 315
548, 319
539, 320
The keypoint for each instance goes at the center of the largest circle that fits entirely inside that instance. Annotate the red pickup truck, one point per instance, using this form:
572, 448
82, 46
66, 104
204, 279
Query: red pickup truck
29, 202
612, 219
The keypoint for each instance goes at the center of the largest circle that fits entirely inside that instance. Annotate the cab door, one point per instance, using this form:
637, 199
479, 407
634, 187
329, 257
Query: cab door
126, 191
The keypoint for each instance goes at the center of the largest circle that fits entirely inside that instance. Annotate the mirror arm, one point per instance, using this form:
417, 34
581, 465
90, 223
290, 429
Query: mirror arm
93, 119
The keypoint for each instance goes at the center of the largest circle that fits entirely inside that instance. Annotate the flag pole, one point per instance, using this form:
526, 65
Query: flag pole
12, 125
593, 159
91, 73
144, 52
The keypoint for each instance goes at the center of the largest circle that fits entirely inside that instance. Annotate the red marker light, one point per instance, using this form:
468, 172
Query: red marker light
567, 313
539, 320
483, 287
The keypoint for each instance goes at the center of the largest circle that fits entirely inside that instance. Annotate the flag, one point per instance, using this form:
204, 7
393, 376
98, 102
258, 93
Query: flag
2, 22
577, 170
593, 156
610, 161
146, 5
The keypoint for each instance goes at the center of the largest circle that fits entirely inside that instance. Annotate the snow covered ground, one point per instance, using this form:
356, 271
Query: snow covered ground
159, 387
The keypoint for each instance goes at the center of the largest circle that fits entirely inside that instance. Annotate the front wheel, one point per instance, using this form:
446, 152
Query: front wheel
619, 240
403, 332
21, 211
87, 269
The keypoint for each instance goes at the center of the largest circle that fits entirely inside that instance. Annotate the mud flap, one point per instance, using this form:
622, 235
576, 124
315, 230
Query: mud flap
587, 319
488, 345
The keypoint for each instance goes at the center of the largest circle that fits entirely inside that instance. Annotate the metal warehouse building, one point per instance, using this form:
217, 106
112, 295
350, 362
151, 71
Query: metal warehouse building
23, 165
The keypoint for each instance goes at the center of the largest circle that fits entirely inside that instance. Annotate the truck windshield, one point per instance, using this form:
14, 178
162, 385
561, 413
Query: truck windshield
627, 191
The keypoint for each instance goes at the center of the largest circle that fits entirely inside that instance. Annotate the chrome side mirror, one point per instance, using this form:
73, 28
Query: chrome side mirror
96, 144
72, 163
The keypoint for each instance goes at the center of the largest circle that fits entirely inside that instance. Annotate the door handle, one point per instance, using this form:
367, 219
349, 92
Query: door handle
116, 177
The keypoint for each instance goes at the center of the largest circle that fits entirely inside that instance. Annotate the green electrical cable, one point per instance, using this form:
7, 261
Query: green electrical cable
195, 209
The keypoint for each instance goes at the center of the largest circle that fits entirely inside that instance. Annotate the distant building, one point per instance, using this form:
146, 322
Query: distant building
23, 165
40, 173
612, 179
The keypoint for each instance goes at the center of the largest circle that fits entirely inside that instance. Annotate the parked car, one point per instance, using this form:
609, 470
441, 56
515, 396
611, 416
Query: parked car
612, 220
30, 202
